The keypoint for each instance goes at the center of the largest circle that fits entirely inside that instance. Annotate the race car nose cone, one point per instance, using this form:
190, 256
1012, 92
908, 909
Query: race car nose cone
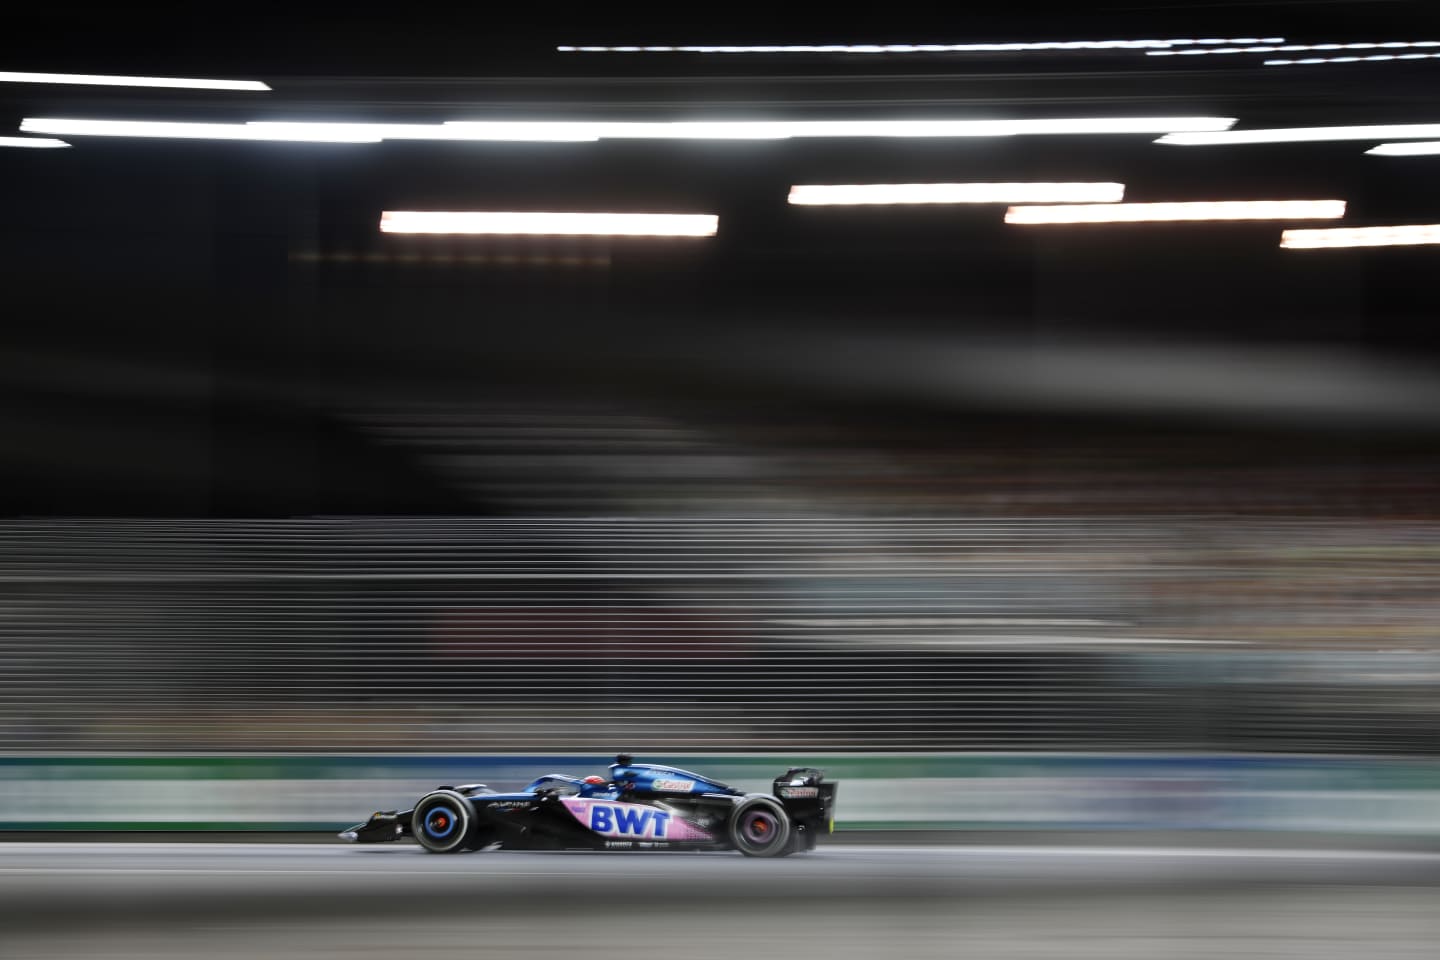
347, 835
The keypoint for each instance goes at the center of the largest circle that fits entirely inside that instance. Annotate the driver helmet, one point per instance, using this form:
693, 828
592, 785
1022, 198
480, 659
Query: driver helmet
596, 781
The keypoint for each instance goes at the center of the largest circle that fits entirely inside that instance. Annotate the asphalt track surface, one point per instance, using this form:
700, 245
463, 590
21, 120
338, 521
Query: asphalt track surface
213, 900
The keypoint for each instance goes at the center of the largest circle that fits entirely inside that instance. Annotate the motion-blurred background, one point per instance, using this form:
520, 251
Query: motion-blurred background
1121, 525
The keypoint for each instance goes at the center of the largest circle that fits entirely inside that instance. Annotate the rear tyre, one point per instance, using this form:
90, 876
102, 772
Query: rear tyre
759, 828
443, 822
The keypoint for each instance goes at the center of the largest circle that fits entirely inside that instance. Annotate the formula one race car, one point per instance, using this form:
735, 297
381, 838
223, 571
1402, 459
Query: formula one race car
641, 806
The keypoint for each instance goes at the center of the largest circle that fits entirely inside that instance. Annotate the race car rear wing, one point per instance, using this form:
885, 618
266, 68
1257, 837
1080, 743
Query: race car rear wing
806, 796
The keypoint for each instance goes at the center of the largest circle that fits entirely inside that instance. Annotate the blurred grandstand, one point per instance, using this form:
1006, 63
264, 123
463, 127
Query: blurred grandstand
1004, 631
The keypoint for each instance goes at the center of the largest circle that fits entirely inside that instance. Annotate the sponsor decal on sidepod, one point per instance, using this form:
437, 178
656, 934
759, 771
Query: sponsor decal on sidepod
632, 821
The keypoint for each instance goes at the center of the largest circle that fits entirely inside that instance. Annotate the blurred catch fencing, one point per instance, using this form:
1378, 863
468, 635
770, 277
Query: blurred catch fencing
481, 637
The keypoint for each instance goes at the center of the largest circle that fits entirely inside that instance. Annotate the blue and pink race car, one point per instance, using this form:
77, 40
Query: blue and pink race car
640, 806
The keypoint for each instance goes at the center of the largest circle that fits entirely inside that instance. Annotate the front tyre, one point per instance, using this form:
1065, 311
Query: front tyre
443, 822
759, 828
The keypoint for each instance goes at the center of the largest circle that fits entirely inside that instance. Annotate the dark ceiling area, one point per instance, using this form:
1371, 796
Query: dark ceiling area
450, 40
219, 328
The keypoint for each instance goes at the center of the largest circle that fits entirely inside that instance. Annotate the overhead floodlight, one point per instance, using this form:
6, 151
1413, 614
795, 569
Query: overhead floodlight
41, 142
580, 131
904, 193
1008, 47
549, 224
1176, 212
1224, 40
1385, 131
1395, 236
620, 130
784, 129
1420, 148
1309, 61
532, 131
1277, 46
99, 80
185, 130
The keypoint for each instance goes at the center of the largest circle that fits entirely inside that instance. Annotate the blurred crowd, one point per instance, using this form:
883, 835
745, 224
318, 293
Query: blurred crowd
1142, 633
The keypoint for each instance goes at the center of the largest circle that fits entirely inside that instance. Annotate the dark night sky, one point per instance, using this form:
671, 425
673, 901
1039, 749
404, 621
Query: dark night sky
193, 326
442, 39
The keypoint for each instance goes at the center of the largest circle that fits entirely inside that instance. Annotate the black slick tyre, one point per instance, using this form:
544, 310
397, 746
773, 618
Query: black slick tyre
758, 827
443, 822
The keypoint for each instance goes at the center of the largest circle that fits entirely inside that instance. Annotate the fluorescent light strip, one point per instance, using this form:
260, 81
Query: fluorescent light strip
523, 131
31, 142
1021, 47
1266, 46
1422, 148
1384, 56
856, 194
109, 81
550, 224
1397, 236
549, 131
544, 131
1398, 131
1223, 40
1168, 212
315, 133
784, 129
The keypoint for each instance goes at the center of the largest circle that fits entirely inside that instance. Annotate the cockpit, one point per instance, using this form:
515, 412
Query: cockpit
562, 785
557, 783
